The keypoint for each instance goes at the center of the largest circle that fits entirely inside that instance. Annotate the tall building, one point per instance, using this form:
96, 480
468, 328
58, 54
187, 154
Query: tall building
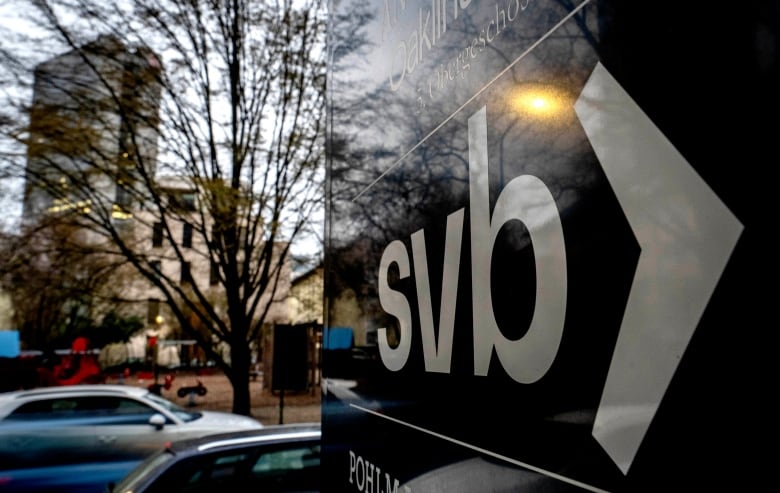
93, 138
94, 110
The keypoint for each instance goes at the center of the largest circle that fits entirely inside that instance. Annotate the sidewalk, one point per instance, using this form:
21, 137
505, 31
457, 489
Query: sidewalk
298, 407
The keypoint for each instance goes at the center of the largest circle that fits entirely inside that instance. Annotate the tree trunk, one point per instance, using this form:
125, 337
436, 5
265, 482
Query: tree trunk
239, 378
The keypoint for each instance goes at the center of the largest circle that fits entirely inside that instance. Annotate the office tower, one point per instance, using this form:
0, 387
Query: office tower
93, 128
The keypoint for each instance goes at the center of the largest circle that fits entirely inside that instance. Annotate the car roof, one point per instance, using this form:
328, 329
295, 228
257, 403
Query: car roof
78, 389
269, 434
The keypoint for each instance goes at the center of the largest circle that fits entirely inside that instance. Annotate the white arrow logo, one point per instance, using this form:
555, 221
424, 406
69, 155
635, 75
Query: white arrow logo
686, 235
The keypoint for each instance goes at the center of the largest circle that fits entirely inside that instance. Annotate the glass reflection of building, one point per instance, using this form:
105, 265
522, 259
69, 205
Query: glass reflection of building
95, 107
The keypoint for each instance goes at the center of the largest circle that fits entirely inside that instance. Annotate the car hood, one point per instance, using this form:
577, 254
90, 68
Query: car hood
225, 421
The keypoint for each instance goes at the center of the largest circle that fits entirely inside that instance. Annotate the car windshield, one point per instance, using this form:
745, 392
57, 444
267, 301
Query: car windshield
130, 481
179, 411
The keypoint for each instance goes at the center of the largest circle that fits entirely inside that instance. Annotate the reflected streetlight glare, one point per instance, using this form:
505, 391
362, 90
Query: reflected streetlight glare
542, 102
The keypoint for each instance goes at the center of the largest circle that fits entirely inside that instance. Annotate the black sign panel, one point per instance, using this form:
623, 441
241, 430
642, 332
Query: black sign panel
543, 227
291, 357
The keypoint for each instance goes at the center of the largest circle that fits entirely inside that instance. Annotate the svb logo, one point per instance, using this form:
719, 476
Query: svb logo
657, 323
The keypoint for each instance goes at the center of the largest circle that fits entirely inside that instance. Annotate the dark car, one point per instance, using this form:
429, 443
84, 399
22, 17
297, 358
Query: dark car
277, 458
90, 477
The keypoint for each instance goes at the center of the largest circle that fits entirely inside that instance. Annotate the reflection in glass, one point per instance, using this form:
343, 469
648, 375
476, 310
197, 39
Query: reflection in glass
544, 102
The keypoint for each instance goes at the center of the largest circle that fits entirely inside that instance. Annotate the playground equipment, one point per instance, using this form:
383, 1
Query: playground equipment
192, 391
80, 365
156, 388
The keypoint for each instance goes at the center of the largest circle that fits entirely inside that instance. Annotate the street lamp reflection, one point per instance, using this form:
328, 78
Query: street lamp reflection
545, 103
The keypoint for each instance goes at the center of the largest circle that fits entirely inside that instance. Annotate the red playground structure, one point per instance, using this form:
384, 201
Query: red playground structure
79, 366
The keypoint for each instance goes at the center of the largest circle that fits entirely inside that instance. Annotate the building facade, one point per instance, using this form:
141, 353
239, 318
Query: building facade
306, 297
93, 123
92, 163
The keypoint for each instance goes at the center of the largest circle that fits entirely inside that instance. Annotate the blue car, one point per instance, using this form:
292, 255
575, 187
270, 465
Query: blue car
69, 478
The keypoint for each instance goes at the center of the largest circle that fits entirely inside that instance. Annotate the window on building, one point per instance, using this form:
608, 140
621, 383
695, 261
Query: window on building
123, 202
152, 310
156, 266
188, 201
186, 239
183, 201
216, 238
157, 235
214, 276
186, 275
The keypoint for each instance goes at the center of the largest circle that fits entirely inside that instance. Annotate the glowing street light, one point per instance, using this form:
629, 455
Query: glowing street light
544, 102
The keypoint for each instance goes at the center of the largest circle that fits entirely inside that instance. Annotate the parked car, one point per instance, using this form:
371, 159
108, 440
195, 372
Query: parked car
80, 424
277, 458
66, 478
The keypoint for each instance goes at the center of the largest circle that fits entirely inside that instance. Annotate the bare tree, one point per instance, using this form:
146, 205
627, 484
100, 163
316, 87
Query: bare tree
58, 290
195, 123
